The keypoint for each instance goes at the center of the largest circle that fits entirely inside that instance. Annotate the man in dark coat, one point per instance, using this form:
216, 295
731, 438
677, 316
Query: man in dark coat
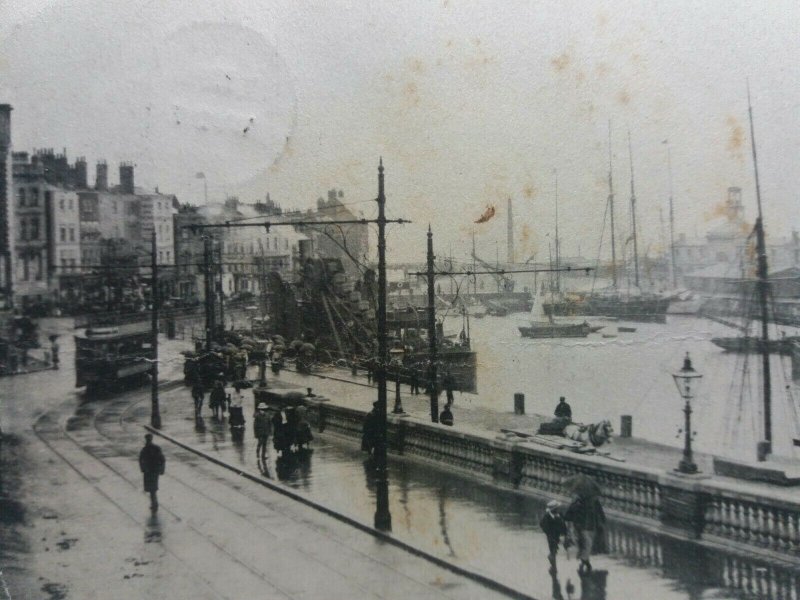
554, 527
563, 410
151, 463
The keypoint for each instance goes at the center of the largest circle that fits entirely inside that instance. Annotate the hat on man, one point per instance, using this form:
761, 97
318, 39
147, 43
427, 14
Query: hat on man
553, 504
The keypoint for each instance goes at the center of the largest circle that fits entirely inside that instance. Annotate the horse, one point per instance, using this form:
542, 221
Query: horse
595, 434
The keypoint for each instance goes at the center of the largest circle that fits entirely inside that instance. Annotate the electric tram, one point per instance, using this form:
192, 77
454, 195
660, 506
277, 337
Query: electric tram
113, 358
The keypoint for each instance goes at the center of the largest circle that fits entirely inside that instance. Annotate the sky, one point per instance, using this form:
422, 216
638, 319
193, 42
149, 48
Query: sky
468, 103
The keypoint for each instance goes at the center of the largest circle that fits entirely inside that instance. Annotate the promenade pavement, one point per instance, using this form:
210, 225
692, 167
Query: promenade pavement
471, 414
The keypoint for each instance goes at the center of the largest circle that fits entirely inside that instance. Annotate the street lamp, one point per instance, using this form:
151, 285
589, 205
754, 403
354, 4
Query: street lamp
687, 380
396, 358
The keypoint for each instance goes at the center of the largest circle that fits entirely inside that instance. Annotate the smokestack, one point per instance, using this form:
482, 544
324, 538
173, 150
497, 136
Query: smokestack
126, 178
510, 233
81, 173
101, 176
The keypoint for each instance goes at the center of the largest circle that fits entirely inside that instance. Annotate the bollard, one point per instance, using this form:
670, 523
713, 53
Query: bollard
626, 426
519, 404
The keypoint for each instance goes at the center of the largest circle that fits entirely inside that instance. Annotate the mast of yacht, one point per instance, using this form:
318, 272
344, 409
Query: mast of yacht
611, 210
671, 222
558, 251
765, 447
633, 218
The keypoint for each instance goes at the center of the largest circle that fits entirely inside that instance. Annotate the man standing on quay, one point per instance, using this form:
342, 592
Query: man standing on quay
151, 463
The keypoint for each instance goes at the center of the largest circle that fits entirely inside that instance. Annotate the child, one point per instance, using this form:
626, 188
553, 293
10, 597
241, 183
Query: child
553, 526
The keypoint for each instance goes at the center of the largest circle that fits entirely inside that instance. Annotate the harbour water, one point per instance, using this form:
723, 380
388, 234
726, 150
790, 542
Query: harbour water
630, 374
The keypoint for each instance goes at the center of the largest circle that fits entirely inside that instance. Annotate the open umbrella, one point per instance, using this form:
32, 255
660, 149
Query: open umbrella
582, 485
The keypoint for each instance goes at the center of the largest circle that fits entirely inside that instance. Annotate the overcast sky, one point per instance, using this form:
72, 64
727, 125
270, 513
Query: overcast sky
468, 103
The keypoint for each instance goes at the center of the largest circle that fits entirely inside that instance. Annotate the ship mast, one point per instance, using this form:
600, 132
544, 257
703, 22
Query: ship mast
558, 252
765, 447
611, 209
633, 218
671, 221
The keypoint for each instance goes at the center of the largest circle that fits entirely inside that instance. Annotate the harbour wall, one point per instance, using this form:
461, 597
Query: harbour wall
706, 511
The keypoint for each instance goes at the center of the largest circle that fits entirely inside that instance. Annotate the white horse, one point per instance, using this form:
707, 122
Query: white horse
595, 434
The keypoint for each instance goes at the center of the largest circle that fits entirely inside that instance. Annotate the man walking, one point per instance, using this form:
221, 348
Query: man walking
198, 393
262, 428
554, 528
151, 463
587, 515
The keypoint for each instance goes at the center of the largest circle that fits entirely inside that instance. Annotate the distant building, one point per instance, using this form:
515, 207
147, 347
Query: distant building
727, 252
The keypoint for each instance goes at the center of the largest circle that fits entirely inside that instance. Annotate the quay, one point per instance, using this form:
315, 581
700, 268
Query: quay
719, 512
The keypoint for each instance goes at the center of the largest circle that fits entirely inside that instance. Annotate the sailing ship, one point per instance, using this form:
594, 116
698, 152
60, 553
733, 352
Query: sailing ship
546, 326
631, 305
777, 471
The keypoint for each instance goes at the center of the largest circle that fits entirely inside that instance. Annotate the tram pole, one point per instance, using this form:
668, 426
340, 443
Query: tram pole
383, 518
155, 413
209, 292
432, 375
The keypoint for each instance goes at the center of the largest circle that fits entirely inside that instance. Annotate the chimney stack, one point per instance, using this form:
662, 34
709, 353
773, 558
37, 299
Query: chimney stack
81, 173
126, 178
5, 127
101, 177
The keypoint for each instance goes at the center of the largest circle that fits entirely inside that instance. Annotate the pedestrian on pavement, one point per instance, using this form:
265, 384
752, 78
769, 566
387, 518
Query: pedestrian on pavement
449, 383
217, 399
54, 349
414, 380
151, 463
198, 395
369, 429
563, 410
554, 527
587, 516
446, 416
262, 428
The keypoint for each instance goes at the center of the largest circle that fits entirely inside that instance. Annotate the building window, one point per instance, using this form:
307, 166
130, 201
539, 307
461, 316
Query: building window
63, 233
21, 196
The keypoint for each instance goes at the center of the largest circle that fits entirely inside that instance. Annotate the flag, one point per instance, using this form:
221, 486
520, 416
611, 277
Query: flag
200, 175
487, 214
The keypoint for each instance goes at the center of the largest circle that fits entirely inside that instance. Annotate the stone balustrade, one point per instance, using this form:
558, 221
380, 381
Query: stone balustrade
758, 521
656, 500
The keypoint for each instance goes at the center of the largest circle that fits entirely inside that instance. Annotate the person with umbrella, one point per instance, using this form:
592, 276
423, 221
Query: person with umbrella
586, 514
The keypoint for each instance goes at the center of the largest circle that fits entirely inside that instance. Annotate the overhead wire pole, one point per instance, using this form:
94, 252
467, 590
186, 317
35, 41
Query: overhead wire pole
383, 519
155, 412
432, 375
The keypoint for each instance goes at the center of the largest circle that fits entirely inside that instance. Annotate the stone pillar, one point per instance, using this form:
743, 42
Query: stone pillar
519, 404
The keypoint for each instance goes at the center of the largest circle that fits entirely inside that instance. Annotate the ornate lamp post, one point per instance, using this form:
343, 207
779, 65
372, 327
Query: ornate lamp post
396, 358
687, 380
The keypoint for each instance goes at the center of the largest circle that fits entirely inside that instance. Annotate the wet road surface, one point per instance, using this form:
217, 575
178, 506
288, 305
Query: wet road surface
491, 531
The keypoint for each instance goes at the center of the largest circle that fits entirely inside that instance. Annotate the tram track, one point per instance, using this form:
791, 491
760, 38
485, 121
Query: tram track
108, 424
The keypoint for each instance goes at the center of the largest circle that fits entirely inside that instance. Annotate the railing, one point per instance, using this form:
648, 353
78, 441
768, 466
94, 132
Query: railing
761, 522
756, 525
